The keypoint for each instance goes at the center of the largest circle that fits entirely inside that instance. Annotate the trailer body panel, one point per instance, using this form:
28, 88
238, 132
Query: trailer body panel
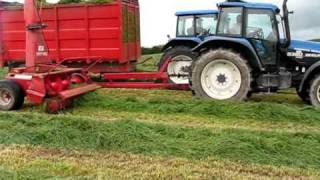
110, 31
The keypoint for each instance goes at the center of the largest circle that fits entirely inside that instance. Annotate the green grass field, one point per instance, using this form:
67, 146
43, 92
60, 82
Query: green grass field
155, 134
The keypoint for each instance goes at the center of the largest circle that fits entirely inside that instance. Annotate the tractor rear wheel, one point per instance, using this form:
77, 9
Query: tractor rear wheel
11, 95
179, 67
304, 96
314, 93
221, 75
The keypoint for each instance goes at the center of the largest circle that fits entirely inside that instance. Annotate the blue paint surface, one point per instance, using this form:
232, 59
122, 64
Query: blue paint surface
196, 12
195, 39
249, 5
306, 45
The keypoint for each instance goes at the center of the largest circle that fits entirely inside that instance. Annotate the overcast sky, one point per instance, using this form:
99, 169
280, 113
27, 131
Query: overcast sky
158, 20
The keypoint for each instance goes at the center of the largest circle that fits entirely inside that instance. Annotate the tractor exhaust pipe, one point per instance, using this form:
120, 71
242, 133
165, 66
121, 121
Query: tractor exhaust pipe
286, 14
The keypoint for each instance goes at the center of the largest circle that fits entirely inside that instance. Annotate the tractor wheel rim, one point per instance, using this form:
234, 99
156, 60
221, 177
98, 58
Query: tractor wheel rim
221, 79
178, 69
5, 97
318, 93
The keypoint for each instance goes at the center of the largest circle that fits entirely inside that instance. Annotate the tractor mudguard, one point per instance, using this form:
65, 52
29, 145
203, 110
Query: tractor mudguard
188, 42
309, 73
227, 42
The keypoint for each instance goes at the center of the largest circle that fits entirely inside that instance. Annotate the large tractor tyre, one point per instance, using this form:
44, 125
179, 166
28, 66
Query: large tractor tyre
179, 67
314, 93
11, 95
221, 75
304, 96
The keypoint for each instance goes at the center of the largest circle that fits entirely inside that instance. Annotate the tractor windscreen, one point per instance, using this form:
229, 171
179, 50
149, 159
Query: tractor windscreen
230, 22
281, 27
206, 25
185, 26
261, 24
199, 25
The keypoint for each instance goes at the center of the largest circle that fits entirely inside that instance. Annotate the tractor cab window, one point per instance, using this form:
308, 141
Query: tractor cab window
261, 24
230, 22
280, 27
206, 24
185, 26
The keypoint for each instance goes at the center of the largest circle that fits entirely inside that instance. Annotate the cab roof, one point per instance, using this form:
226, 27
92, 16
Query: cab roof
196, 12
250, 5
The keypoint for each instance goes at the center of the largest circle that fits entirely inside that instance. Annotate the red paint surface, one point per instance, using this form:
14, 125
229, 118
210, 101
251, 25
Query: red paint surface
110, 31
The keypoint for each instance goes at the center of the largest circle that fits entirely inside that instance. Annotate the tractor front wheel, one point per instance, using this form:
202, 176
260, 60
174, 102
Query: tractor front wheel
11, 95
221, 75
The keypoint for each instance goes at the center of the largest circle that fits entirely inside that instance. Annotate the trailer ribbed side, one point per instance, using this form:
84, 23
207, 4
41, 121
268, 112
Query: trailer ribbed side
110, 31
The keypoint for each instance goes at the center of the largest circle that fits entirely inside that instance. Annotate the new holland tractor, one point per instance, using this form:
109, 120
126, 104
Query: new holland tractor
193, 27
253, 52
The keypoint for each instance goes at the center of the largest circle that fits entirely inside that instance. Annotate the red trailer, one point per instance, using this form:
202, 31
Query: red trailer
78, 34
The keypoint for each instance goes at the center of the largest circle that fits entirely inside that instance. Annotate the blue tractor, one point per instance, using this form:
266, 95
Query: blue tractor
193, 27
251, 52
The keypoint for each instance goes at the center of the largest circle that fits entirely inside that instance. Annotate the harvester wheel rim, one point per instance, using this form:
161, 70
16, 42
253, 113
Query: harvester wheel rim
6, 97
178, 69
221, 79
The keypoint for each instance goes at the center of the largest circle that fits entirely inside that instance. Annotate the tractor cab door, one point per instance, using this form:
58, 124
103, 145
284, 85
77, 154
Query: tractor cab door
261, 30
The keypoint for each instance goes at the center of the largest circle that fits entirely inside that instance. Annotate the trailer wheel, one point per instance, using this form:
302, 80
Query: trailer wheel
314, 93
179, 67
11, 96
221, 75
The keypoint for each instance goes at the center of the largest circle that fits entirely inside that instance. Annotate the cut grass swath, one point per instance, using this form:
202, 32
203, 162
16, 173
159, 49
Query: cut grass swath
24, 162
299, 150
269, 112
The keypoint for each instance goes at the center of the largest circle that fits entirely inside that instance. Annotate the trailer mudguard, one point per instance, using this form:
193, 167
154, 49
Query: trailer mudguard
312, 70
226, 42
189, 42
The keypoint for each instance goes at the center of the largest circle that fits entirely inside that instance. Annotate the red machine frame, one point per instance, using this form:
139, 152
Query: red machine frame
46, 80
147, 80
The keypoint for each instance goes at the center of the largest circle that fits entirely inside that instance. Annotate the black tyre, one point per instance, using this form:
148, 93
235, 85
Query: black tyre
314, 93
304, 96
221, 75
182, 58
11, 95
15, 65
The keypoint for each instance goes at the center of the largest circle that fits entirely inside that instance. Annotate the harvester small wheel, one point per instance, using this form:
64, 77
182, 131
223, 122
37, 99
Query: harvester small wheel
314, 93
221, 75
181, 60
11, 96
56, 105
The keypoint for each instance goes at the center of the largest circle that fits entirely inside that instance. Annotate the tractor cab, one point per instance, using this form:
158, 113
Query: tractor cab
200, 24
255, 22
